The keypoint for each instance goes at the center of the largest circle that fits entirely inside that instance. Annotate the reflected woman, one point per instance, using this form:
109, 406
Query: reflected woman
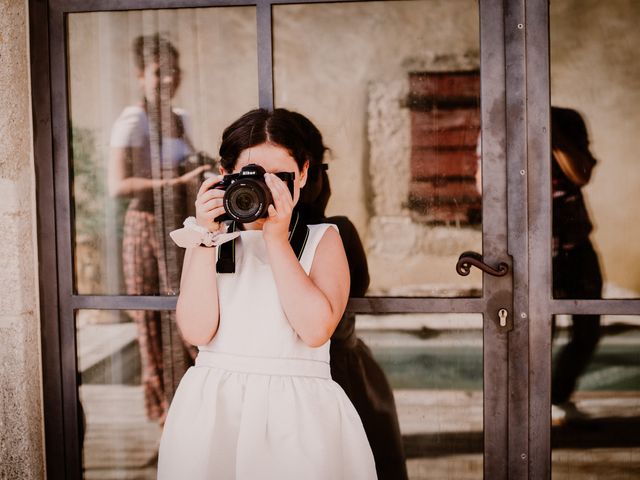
148, 151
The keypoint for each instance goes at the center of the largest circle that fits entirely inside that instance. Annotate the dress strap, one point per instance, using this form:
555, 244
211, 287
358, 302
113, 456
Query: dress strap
316, 232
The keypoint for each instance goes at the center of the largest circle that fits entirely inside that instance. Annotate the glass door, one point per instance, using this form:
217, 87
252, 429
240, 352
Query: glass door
395, 87
585, 339
422, 106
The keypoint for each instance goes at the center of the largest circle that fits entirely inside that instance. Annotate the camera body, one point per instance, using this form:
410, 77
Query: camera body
247, 196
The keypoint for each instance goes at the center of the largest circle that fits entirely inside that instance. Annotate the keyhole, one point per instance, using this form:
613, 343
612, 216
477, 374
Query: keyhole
502, 315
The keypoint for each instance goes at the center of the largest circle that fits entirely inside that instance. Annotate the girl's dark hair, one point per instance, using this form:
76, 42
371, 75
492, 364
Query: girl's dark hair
153, 48
289, 130
314, 196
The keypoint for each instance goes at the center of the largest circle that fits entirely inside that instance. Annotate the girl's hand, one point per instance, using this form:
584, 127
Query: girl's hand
209, 204
277, 224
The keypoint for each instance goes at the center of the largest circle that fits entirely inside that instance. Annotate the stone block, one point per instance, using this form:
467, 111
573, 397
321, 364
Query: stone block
21, 448
389, 138
14, 89
17, 270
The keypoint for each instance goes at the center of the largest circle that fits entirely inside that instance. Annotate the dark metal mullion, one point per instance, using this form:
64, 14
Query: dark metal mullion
78, 6
518, 364
385, 305
368, 305
265, 54
540, 277
594, 307
494, 235
296, 2
60, 130
54, 418
123, 302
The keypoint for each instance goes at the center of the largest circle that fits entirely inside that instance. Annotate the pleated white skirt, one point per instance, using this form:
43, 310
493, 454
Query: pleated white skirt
250, 418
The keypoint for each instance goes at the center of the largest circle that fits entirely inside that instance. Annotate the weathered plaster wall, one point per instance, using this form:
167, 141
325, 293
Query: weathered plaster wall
595, 69
327, 56
347, 66
395, 242
21, 445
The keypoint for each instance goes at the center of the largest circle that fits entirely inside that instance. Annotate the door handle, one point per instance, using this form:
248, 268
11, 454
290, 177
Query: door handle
469, 259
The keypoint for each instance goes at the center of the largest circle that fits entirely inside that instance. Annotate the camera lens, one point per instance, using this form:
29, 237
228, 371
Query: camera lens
244, 200
247, 200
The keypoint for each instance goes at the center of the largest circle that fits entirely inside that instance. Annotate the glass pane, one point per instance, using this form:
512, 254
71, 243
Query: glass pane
395, 92
127, 375
595, 426
434, 366
150, 93
595, 122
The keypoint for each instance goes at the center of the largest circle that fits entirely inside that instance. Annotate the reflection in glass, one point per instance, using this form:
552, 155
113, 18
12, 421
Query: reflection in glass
576, 269
594, 78
149, 96
121, 432
352, 365
596, 434
434, 366
396, 95
153, 164
596, 378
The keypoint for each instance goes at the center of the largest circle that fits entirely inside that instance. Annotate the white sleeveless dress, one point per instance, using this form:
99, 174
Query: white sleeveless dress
260, 404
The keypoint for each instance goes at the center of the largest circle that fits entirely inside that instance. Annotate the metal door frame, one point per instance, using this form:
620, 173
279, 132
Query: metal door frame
516, 224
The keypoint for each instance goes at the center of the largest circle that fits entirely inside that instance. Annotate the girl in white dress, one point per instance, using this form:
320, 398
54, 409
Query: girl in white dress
260, 402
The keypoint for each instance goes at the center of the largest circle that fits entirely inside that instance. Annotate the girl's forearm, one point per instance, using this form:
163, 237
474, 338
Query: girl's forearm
307, 308
197, 311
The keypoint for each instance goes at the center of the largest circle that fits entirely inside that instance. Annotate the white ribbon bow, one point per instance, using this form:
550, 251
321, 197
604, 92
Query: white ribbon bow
193, 235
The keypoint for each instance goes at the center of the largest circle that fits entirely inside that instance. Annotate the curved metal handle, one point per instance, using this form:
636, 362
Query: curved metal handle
469, 259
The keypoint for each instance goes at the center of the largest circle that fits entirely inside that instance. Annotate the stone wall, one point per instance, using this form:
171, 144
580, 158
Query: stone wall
21, 430
420, 256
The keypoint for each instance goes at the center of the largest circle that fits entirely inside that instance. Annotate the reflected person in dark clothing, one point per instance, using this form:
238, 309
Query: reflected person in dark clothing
352, 364
576, 269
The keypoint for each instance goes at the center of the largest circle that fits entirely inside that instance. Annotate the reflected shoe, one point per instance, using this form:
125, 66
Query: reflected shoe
565, 413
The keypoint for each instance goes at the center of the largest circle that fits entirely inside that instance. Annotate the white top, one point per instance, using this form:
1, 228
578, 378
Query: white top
251, 294
131, 129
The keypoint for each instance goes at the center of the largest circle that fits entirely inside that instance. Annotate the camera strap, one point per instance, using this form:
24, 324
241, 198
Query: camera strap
226, 261
298, 233
298, 236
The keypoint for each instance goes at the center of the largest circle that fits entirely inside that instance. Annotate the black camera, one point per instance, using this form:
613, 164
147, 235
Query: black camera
247, 197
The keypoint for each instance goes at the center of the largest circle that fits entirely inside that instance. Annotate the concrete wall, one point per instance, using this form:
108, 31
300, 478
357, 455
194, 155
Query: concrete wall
21, 430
